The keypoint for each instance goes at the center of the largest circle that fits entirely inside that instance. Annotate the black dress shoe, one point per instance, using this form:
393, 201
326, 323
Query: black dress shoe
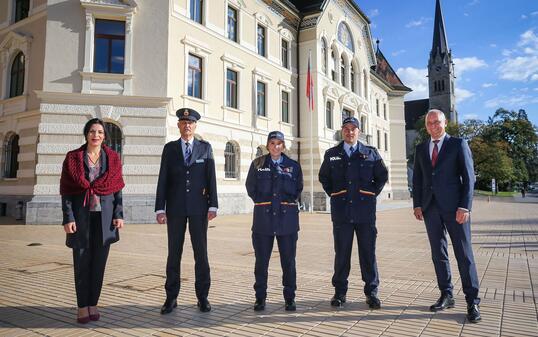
473, 313
203, 305
290, 305
259, 305
338, 300
373, 302
168, 306
444, 302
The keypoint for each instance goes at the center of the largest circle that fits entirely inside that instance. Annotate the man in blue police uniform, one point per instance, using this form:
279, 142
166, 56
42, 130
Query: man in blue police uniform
274, 183
353, 174
443, 184
187, 192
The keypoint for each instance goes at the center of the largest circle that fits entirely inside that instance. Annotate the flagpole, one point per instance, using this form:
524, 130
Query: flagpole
310, 108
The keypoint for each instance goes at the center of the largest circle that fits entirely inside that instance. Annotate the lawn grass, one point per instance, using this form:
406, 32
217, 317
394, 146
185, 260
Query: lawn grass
499, 194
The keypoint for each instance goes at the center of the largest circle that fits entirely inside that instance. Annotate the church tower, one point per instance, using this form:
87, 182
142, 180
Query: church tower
441, 70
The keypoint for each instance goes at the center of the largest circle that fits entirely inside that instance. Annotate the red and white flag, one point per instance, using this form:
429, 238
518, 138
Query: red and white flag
310, 87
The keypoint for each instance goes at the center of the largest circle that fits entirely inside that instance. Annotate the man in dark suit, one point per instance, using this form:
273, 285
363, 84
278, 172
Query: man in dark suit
443, 182
187, 192
353, 175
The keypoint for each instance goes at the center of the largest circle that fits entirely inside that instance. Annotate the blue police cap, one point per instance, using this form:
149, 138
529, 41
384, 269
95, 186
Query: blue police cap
275, 135
351, 120
187, 114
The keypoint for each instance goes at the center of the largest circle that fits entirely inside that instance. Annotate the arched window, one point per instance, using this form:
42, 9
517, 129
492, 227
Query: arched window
324, 56
259, 151
352, 78
231, 161
365, 81
11, 152
344, 36
334, 64
343, 71
114, 137
16, 85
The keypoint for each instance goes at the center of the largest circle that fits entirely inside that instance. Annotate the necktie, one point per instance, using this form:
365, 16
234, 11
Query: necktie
351, 150
188, 153
435, 152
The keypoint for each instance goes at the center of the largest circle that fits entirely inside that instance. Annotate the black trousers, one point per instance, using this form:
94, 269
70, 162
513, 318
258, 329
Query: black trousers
176, 236
343, 245
89, 265
287, 247
438, 224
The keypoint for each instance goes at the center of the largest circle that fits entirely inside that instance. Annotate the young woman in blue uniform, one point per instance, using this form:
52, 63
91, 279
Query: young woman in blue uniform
275, 183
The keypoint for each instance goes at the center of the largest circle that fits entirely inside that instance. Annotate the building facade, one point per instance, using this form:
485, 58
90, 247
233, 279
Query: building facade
241, 63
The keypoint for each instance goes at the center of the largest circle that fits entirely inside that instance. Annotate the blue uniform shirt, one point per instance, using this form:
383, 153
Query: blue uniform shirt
275, 189
353, 182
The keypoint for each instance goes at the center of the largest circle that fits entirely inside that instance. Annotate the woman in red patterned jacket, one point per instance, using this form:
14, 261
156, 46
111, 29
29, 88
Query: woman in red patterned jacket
90, 186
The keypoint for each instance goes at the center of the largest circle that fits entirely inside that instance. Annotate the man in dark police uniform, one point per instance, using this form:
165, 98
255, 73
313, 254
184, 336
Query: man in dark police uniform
353, 174
187, 192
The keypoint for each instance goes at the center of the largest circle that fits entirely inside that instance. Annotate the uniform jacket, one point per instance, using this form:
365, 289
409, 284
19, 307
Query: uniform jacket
275, 192
73, 209
450, 183
353, 183
185, 190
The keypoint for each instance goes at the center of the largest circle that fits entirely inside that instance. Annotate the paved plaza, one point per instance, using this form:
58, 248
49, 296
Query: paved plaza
37, 292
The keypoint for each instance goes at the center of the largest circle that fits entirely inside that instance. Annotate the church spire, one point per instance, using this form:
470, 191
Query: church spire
440, 43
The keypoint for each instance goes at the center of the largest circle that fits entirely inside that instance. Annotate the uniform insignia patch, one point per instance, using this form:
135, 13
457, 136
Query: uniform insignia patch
335, 158
267, 169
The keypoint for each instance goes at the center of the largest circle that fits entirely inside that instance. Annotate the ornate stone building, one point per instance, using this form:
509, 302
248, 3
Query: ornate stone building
241, 63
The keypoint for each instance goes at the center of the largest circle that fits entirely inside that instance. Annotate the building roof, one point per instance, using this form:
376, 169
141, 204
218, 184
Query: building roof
311, 6
384, 70
414, 110
439, 43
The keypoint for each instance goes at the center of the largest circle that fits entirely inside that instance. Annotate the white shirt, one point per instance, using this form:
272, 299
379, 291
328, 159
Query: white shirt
439, 145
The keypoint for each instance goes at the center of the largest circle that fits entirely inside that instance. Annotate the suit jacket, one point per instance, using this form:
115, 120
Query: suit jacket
73, 209
275, 193
450, 183
353, 183
185, 190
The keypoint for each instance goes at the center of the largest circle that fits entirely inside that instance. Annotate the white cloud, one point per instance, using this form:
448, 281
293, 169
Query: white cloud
489, 85
415, 79
474, 2
523, 66
523, 17
493, 45
398, 52
463, 94
373, 13
471, 116
535, 13
510, 102
417, 23
465, 64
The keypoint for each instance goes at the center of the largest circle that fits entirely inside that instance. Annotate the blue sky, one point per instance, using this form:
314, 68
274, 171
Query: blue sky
494, 45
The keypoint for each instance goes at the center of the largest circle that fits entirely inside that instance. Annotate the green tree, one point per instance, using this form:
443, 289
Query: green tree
491, 161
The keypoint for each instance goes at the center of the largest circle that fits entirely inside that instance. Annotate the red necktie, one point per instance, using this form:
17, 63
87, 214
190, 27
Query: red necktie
435, 152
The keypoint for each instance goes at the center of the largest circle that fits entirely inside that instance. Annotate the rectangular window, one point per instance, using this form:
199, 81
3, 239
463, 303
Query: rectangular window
22, 7
261, 40
285, 107
196, 10
379, 139
285, 59
194, 85
345, 113
386, 142
109, 51
260, 99
232, 24
377, 107
329, 115
363, 124
231, 88
385, 111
